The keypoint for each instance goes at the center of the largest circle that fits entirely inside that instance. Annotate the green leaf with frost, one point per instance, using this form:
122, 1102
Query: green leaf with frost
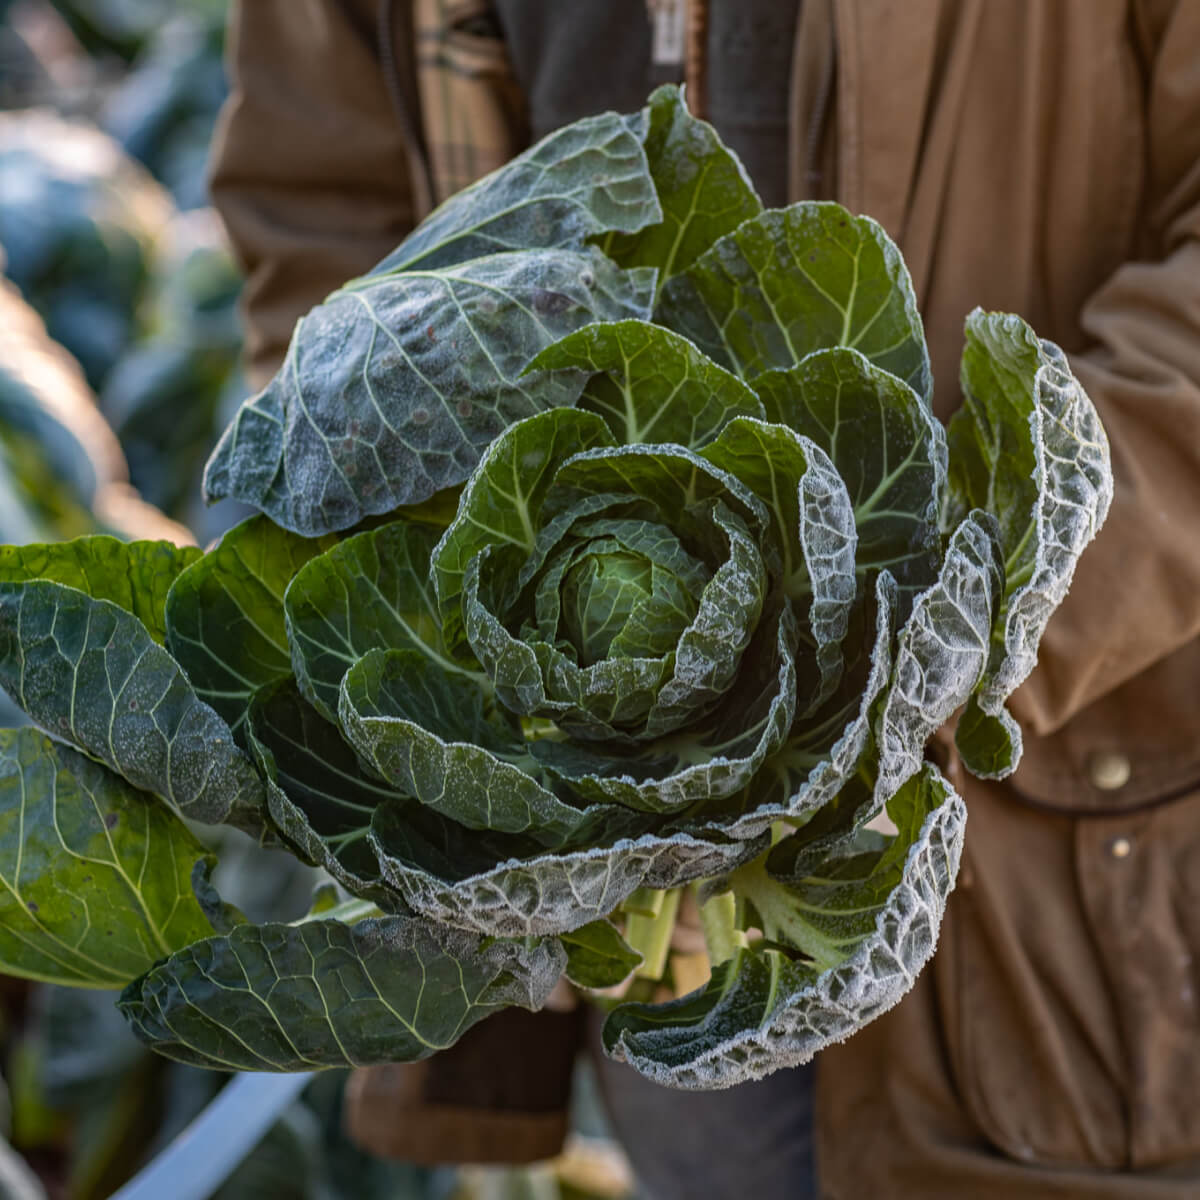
508, 887
717, 758
812, 527
598, 956
324, 994
318, 795
942, 651
394, 386
824, 754
436, 737
95, 877
586, 179
702, 186
1028, 446
845, 938
89, 672
886, 445
370, 592
649, 384
501, 503
623, 698
795, 280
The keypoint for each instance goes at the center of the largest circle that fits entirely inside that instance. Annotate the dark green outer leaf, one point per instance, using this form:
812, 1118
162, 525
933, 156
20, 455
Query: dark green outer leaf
587, 178
467, 883
799, 279
225, 624
95, 877
653, 385
942, 652
824, 753
887, 446
136, 576
1029, 445
598, 956
761, 1013
428, 735
703, 188
370, 592
325, 994
317, 793
396, 384
813, 526
89, 671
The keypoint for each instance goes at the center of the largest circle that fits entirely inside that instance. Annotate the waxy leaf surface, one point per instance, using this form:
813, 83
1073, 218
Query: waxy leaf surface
225, 622
587, 178
395, 385
1027, 445
598, 956
370, 592
651, 385
135, 576
90, 672
888, 448
327, 994
95, 877
764, 1009
799, 279
702, 186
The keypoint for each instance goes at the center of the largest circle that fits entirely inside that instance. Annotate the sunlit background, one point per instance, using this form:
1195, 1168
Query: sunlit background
119, 366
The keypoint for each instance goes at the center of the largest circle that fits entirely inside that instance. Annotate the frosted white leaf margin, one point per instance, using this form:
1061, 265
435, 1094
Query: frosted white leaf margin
841, 1000
1075, 487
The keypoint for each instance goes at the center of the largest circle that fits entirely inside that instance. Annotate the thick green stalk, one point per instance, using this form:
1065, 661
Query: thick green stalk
645, 902
651, 936
719, 919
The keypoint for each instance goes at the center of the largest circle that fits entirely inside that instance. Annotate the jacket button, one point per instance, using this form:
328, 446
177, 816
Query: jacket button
1120, 847
1109, 771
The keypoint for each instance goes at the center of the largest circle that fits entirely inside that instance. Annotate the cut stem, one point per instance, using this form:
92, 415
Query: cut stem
718, 918
651, 936
645, 902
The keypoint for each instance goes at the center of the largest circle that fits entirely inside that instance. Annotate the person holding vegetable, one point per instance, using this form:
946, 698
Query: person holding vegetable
1039, 156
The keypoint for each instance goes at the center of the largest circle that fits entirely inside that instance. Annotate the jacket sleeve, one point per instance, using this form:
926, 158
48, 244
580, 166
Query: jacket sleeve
311, 170
1136, 594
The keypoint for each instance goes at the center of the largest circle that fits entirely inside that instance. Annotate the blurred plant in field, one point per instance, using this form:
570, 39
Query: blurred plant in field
142, 294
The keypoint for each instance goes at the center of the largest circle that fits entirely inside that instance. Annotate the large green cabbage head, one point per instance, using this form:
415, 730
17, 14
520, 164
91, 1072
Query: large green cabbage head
610, 550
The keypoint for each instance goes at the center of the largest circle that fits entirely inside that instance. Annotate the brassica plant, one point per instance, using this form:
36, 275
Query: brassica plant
609, 551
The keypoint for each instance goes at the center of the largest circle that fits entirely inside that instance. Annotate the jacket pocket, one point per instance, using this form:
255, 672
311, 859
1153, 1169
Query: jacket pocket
472, 111
1067, 980
1134, 748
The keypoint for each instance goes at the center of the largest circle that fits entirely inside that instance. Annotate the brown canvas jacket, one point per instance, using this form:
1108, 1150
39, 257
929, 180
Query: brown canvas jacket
1038, 156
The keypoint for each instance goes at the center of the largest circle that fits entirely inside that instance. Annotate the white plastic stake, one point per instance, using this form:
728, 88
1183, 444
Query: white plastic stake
205, 1154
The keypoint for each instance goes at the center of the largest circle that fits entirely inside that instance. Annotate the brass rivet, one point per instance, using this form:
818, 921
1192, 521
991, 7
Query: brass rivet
1120, 847
1109, 771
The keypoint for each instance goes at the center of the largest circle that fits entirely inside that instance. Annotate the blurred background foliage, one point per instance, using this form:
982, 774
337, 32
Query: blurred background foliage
119, 367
